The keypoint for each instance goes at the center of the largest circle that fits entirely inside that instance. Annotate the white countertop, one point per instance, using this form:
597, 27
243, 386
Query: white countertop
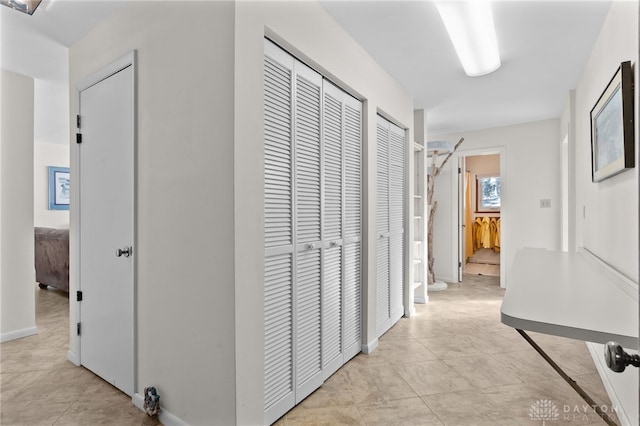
571, 295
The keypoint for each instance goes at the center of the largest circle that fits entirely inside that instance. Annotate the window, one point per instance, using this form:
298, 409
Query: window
488, 194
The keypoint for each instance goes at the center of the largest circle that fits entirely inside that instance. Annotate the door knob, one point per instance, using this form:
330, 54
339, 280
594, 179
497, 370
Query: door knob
617, 359
125, 251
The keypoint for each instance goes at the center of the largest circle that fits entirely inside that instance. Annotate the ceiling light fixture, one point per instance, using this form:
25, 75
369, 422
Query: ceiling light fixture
26, 6
470, 27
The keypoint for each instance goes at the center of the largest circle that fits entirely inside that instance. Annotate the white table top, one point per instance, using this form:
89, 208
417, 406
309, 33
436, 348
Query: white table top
571, 295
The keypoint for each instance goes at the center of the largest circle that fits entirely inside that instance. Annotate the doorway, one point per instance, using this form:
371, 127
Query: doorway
106, 223
480, 214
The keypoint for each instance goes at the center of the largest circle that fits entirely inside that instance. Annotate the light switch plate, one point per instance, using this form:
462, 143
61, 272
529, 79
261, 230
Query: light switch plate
545, 204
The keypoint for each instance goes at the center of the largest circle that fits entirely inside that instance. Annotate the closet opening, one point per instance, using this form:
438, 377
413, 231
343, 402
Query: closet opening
480, 215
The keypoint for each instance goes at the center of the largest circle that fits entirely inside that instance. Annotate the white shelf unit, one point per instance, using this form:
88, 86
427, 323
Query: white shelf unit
419, 284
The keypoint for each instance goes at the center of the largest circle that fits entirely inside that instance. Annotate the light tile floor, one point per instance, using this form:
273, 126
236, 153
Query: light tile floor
454, 363
38, 386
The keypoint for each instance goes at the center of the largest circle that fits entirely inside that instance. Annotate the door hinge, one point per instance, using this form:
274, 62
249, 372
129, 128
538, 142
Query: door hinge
459, 264
78, 121
78, 328
459, 169
78, 137
78, 296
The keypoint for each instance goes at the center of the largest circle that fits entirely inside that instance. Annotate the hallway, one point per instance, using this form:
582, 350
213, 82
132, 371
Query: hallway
38, 386
454, 363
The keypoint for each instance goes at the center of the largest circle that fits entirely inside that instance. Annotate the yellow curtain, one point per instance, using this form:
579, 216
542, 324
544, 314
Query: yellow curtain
468, 224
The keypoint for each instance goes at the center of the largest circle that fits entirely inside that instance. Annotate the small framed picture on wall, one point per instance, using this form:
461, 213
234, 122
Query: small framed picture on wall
612, 139
59, 188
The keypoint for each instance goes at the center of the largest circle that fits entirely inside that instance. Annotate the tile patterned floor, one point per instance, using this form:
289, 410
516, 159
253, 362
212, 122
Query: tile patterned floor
454, 363
38, 386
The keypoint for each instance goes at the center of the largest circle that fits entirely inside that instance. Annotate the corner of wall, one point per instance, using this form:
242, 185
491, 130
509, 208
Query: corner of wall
17, 276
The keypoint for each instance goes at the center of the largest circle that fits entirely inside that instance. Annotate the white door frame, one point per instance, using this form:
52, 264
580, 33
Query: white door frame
74, 355
504, 206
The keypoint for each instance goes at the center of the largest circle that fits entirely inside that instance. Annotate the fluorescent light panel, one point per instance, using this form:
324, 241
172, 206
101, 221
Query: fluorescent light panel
473, 34
26, 6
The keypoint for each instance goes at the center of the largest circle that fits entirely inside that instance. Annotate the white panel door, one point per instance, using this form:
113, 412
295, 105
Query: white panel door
106, 216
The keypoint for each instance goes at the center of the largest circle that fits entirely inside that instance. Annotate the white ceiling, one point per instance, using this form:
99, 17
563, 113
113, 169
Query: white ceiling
63, 21
544, 46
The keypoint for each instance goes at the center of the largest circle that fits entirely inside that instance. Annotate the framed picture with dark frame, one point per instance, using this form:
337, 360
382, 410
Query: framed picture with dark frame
59, 188
612, 134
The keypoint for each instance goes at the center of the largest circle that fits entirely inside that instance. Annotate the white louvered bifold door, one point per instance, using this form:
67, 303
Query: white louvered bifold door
342, 138
352, 234
383, 307
308, 201
313, 288
396, 219
390, 224
332, 357
279, 291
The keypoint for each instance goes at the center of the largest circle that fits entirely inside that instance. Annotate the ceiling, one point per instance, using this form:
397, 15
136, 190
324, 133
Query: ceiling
544, 47
63, 21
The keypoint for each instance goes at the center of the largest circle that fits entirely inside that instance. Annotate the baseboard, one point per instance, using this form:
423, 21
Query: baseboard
166, 418
18, 334
603, 371
138, 401
73, 357
623, 282
370, 347
420, 299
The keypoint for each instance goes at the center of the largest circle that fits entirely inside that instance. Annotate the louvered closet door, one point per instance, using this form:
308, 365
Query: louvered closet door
352, 230
390, 225
383, 307
333, 200
279, 291
312, 214
341, 222
396, 219
308, 200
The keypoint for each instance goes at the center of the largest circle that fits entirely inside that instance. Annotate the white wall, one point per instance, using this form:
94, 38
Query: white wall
47, 62
531, 174
44, 155
609, 227
200, 185
17, 272
307, 31
185, 254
